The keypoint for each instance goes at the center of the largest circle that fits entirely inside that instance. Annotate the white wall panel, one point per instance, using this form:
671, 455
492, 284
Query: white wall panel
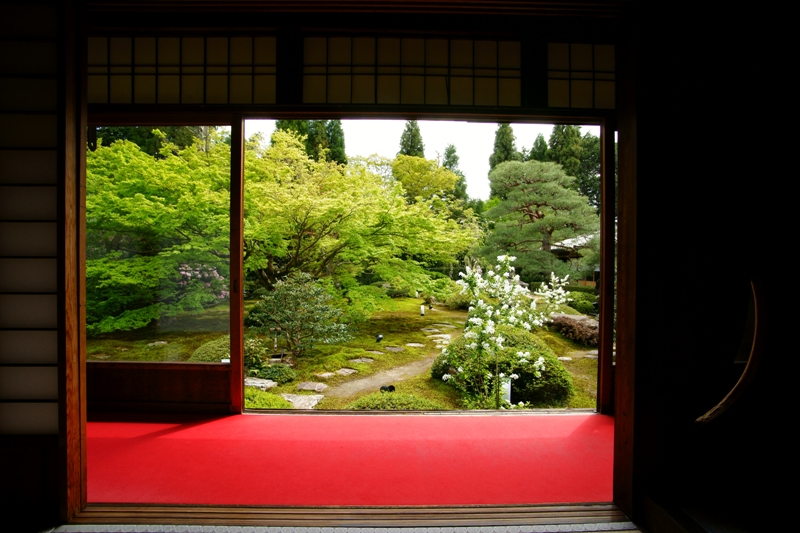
28, 239
28, 418
28, 383
31, 347
28, 311
28, 131
28, 275
28, 166
28, 203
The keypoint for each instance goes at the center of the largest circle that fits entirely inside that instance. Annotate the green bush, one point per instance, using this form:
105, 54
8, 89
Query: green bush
394, 401
303, 313
278, 373
254, 352
258, 399
582, 302
213, 351
580, 288
553, 389
456, 300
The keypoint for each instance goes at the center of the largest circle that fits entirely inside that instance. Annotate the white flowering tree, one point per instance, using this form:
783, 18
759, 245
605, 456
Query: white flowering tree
499, 299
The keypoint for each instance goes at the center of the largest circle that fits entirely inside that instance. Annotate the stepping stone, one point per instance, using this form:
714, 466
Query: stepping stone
440, 336
446, 326
415, 345
303, 401
346, 371
325, 375
565, 358
394, 348
310, 385
376, 352
361, 360
591, 357
592, 352
431, 330
259, 383
157, 343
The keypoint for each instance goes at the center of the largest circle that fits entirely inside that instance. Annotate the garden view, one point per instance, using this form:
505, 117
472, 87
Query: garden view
371, 282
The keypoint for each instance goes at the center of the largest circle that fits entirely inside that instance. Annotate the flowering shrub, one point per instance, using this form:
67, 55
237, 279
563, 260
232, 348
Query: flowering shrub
542, 379
500, 300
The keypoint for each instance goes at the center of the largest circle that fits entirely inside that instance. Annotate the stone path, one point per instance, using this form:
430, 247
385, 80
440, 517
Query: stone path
369, 383
374, 382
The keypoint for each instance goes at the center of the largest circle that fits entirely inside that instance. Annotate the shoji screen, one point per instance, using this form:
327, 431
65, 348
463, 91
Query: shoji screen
28, 222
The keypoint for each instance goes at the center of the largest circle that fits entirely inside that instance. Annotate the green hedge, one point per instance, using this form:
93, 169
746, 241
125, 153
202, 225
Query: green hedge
394, 401
213, 351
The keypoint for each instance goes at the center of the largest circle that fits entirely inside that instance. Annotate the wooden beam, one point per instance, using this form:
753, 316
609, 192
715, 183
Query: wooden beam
624, 389
608, 243
71, 295
237, 264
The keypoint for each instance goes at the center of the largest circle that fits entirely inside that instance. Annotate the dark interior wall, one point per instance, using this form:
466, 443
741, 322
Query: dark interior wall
707, 220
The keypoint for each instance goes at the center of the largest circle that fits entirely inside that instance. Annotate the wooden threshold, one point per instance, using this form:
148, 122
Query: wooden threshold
477, 515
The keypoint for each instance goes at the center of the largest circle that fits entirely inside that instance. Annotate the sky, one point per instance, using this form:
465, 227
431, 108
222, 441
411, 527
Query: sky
474, 142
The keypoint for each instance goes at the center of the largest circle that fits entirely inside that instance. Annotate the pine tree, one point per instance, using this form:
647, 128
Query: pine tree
411, 140
565, 148
336, 141
505, 148
450, 162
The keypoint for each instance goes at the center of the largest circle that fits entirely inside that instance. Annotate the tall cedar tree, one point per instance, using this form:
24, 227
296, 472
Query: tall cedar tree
538, 150
336, 141
537, 212
565, 149
450, 162
411, 140
505, 148
297, 126
317, 141
588, 178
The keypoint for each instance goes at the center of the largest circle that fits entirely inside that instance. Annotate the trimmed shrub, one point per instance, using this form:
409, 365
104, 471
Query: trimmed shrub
278, 373
582, 302
213, 351
394, 401
580, 288
584, 331
553, 389
258, 399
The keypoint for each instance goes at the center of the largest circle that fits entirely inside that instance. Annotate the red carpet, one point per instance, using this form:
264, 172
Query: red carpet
327, 460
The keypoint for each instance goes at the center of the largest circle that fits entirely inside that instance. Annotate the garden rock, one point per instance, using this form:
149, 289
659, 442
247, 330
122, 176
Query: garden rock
259, 383
303, 401
346, 371
394, 348
415, 345
310, 385
361, 360
325, 375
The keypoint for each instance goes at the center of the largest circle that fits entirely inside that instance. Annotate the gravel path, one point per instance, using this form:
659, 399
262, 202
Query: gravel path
374, 382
